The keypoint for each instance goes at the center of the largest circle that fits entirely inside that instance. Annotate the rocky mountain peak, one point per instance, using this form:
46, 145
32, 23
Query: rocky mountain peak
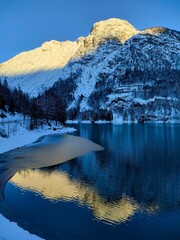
113, 28
54, 54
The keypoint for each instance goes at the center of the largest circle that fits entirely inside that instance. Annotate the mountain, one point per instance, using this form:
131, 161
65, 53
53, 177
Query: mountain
39, 69
116, 73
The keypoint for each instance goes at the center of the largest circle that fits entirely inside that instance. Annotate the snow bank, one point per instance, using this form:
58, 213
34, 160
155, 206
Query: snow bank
18, 134
10, 117
87, 121
24, 136
11, 231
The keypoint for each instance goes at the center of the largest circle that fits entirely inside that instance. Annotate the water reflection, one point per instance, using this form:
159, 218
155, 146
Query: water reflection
134, 181
57, 185
47, 151
139, 161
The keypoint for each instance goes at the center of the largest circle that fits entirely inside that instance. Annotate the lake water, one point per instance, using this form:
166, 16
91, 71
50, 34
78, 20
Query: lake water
131, 190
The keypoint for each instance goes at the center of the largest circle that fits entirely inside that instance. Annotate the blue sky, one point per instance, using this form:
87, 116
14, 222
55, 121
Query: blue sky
26, 24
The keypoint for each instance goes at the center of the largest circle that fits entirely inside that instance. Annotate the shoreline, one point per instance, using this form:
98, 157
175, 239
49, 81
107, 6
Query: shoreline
116, 123
26, 136
21, 138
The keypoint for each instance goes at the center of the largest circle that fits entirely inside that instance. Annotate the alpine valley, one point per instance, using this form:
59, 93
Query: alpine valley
117, 73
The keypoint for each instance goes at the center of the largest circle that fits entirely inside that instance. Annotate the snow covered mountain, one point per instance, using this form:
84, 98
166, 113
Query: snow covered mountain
38, 69
116, 73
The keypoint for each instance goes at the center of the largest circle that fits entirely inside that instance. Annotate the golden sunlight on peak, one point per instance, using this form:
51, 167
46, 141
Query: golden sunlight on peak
122, 29
51, 55
54, 55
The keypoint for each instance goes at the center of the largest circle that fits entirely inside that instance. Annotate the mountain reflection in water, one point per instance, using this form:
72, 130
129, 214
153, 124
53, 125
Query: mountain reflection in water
131, 190
59, 186
47, 151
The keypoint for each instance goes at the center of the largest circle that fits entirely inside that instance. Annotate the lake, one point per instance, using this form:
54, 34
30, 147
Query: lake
130, 190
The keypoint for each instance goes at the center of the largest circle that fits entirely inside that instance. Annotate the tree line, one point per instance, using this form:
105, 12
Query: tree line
45, 107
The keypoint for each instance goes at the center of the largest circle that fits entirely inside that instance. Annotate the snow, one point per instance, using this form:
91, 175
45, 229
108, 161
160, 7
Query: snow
51, 55
101, 122
97, 63
142, 101
117, 120
87, 122
9, 117
18, 133
17, 138
112, 28
24, 136
37, 70
11, 231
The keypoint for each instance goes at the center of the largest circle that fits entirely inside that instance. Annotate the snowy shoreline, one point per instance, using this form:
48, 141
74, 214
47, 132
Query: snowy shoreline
10, 230
25, 136
119, 121
15, 131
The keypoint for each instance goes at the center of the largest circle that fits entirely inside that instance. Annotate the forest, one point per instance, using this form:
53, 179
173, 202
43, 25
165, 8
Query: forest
44, 108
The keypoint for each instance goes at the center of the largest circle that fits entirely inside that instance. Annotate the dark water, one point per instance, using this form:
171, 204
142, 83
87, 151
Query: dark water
131, 190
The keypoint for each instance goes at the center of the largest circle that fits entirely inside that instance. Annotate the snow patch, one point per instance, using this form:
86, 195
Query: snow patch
18, 134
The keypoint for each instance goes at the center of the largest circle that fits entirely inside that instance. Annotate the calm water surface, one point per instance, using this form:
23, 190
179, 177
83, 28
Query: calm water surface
131, 190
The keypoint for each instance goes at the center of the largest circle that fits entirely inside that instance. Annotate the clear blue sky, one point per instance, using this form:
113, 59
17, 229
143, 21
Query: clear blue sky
26, 24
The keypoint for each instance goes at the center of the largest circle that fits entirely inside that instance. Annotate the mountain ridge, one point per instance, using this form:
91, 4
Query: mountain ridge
54, 54
63, 52
116, 72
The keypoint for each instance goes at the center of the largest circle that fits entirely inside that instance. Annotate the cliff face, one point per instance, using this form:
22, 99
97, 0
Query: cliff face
116, 73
